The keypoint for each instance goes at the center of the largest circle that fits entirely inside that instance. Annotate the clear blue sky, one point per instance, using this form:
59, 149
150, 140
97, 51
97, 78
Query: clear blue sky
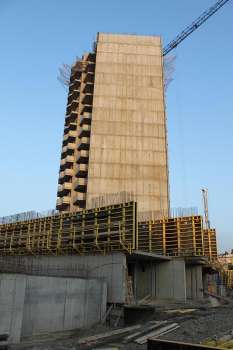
36, 36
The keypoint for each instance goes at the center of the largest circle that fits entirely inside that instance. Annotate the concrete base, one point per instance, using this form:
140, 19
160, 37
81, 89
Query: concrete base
36, 304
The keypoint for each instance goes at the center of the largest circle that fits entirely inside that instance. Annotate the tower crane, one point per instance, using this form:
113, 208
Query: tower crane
196, 24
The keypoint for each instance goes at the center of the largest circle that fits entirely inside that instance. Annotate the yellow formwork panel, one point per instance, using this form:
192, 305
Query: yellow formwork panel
210, 244
110, 228
172, 236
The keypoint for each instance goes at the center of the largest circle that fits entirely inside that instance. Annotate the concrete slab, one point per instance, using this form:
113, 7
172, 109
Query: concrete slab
145, 256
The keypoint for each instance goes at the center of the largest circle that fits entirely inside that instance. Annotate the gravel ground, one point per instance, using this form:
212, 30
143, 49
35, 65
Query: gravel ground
194, 327
214, 322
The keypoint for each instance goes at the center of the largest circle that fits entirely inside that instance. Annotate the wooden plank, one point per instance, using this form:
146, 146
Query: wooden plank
159, 332
107, 313
143, 331
101, 336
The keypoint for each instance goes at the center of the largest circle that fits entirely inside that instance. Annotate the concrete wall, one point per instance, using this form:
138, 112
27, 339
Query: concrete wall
110, 268
163, 280
12, 291
171, 280
128, 150
35, 304
194, 282
168, 280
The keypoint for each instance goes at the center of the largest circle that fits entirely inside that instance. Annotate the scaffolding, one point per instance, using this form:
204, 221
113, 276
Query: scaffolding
172, 236
112, 228
106, 229
210, 244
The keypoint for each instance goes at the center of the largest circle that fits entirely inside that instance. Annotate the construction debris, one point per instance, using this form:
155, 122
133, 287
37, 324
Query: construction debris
206, 324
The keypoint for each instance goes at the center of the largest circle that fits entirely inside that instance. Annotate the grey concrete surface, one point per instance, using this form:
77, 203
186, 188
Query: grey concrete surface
110, 268
171, 280
12, 291
144, 279
194, 282
37, 304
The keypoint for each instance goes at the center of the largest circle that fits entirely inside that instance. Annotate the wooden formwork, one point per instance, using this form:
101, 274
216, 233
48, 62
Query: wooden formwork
111, 228
172, 236
210, 244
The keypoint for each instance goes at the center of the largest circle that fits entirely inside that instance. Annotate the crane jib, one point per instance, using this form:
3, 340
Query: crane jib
196, 24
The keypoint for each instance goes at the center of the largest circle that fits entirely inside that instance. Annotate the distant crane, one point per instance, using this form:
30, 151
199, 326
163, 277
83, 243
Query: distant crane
196, 24
206, 207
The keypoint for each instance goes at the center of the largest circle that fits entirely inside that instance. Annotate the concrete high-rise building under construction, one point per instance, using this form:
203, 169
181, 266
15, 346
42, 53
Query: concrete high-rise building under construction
115, 125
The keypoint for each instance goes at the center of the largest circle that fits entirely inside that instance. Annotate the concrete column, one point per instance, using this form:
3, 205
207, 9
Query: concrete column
153, 279
171, 280
194, 280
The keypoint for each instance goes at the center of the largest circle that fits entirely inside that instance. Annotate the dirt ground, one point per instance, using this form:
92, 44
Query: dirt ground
195, 326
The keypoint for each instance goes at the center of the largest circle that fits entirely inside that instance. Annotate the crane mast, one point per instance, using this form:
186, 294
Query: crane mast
191, 28
206, 207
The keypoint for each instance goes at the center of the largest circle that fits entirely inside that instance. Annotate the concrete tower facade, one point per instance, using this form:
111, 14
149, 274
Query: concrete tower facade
115, 126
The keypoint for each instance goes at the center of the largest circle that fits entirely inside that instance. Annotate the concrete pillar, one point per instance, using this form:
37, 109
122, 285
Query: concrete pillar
194, 285
144, 279
171, 280
153, 279
199, 282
